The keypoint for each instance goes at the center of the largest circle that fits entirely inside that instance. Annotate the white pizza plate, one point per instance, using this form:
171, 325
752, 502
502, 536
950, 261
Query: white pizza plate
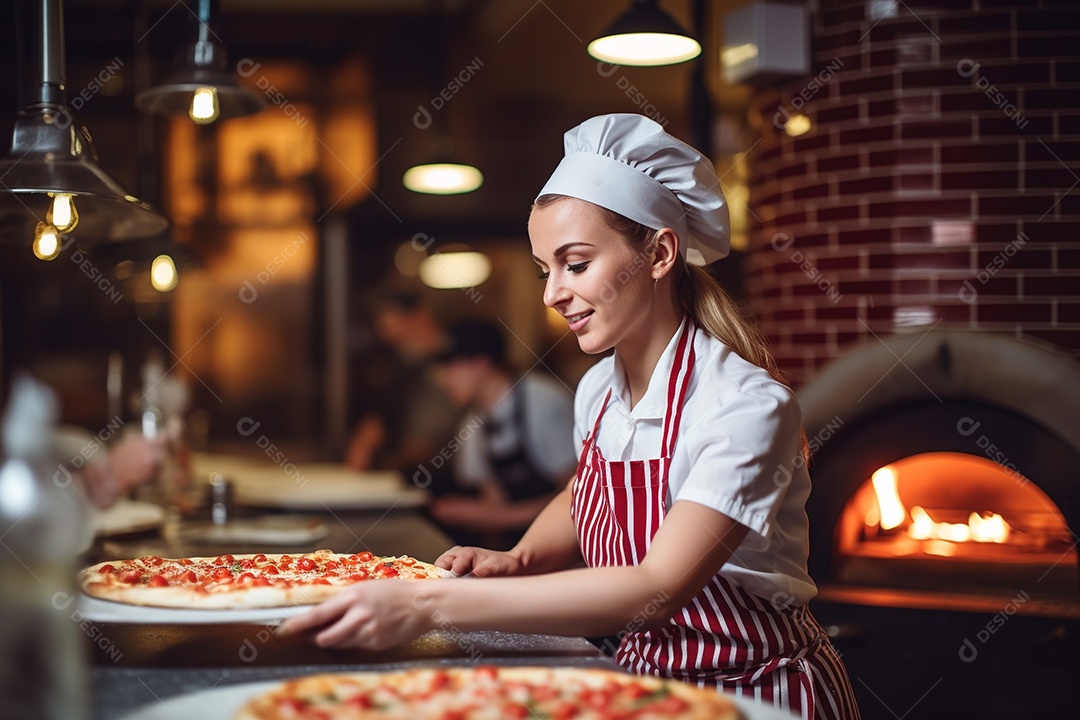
221, 703
98, 610
313, 486
127, 516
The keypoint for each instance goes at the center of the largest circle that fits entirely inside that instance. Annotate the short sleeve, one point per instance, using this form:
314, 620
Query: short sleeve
738, 442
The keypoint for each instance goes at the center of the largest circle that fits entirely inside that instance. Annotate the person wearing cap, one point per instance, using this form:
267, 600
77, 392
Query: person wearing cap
688, 508
515, 446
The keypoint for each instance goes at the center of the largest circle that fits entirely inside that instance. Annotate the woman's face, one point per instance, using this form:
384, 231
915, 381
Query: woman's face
594, 278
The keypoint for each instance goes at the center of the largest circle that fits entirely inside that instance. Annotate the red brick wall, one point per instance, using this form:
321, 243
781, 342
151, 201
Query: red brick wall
937, 188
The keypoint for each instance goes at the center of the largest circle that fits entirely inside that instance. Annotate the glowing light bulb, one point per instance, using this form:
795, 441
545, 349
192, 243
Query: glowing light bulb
204, 105
62, 214
47, 243
163, 273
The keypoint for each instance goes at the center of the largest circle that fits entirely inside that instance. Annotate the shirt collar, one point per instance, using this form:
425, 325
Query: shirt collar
654, 402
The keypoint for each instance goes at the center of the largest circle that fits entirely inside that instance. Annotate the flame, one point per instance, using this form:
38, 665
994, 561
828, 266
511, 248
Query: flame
991, 528
890, 513
888, 498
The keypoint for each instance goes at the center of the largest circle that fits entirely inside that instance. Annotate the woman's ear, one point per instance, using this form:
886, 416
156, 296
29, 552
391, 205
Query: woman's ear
665, 253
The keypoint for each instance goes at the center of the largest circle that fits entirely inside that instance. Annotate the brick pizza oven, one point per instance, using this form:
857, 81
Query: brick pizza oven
915, 260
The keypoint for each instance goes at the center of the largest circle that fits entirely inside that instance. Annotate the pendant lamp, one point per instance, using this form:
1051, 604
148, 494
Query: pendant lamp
443, 174
202, 87
645, 35
50, 183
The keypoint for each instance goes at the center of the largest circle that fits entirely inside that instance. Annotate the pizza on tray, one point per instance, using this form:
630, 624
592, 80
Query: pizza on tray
485, 692
230, 582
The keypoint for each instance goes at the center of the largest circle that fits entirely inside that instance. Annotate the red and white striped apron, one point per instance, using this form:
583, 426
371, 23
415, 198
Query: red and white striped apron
725, 637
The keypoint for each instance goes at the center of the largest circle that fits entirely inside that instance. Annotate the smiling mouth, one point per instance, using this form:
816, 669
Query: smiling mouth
580, 316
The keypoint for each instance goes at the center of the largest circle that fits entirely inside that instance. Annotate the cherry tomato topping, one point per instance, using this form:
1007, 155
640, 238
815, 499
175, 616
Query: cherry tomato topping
153, 560
596, 698
286, 558
388, 571
407, 561
106, 569
306, 564
320, 581
245, 577
186, 561
190, 577
487, 671
633, 692
360, 701
260, 558
356, 577
515, 711
222, 572
270, 570
563, 711
261, 582
364, 556
159, 581
440, 679
330, 565
225, 560
131, 577
247, 564
669, 705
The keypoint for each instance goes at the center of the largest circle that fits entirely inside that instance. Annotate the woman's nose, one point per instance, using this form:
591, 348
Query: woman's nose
555, 293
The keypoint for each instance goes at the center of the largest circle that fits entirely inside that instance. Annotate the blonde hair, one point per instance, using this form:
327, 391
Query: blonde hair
701, 297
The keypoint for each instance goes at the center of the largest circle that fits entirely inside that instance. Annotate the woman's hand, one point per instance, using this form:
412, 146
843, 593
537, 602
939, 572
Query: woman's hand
480, 562
370, 615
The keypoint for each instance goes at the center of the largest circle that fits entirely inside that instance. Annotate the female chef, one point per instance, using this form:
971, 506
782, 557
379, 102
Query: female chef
687, 510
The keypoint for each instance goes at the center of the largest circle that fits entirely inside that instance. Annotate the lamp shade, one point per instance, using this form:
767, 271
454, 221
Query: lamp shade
202, 87
51, 154
645, 36
203, 64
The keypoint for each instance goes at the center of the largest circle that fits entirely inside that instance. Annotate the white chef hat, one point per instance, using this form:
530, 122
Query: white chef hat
628, 164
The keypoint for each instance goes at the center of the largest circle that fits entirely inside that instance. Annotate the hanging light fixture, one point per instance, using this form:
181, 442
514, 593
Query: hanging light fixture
443, 178
202, 87
51, 181
444, 174
645, 35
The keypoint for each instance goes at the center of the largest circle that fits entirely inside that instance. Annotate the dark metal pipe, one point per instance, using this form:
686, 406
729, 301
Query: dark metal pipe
52, 49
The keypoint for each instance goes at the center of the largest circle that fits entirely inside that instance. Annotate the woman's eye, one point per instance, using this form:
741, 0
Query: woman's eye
544, 275
577, 267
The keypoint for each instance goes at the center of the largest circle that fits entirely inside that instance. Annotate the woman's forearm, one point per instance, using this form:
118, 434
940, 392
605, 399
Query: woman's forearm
581, 602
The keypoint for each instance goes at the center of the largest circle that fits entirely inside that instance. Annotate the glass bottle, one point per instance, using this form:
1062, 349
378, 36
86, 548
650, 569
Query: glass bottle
42, 651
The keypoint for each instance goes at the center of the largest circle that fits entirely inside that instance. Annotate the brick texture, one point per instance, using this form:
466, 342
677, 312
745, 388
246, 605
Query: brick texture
939, 186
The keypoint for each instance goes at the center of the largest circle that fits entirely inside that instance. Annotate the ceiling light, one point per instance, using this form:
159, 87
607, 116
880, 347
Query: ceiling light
202, 87
51, 175
443, 178
455, 270
645, 35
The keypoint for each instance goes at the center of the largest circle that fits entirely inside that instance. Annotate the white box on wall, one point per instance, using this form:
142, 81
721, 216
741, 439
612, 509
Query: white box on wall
765, 42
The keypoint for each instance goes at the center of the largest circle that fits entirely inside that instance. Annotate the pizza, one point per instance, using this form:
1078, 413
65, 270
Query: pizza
244, 581
487, 692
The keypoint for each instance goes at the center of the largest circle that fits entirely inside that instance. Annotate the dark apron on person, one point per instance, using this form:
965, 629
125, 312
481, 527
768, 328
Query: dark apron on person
519, 478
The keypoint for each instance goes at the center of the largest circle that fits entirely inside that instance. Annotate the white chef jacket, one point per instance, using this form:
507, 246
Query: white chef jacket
738, 452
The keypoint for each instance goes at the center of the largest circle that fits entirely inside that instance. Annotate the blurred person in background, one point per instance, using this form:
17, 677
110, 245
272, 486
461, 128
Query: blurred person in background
514, 448
405, 417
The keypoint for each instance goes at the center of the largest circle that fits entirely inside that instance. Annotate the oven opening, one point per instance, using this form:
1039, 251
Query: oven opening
955, 522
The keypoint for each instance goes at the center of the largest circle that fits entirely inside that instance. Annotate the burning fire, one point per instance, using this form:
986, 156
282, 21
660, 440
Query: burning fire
890, 513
